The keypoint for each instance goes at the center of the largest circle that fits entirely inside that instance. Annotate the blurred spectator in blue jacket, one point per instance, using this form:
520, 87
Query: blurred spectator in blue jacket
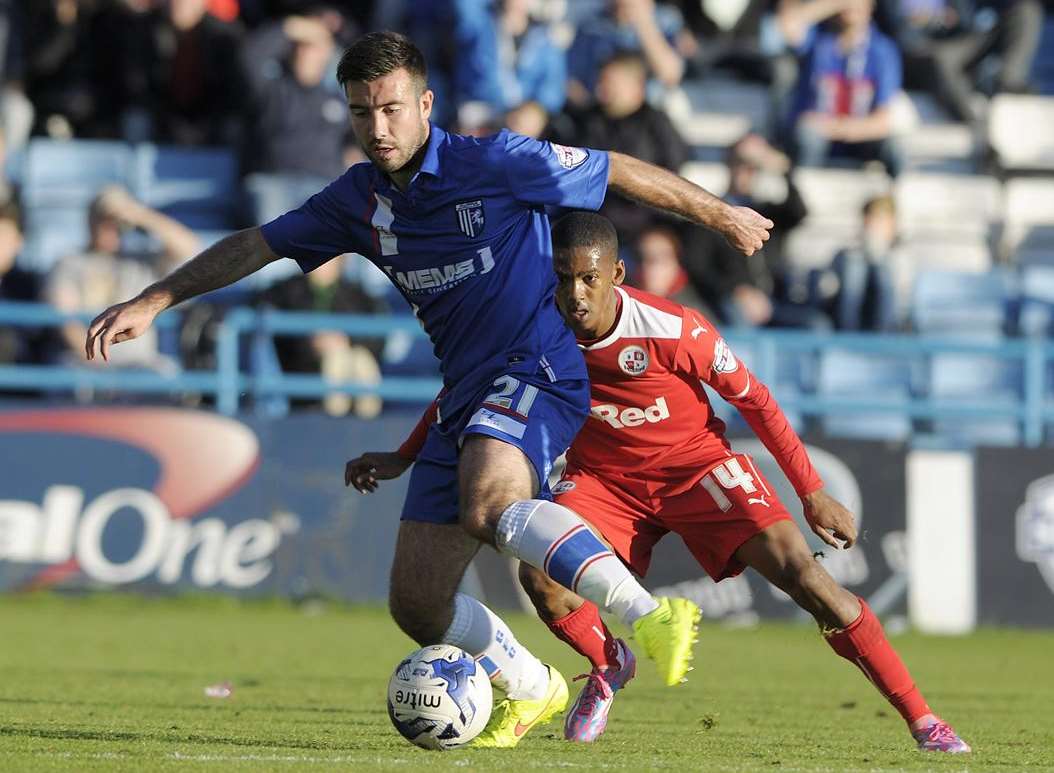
944, 41
505, 58
625, 25
865, 296
849, 73
297, 125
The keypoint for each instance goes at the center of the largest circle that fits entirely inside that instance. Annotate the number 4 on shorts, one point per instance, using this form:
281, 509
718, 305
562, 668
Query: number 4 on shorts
730, 475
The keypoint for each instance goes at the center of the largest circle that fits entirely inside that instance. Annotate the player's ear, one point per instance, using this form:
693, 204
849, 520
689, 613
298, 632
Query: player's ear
620, 273
427, 98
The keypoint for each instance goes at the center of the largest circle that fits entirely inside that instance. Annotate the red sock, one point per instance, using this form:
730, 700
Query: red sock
864, 643
587, 635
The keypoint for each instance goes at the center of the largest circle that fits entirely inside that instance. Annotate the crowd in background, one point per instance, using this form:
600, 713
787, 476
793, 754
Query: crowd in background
257, 76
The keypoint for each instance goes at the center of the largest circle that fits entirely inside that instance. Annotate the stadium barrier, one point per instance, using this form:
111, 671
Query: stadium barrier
1030, 404
166, 500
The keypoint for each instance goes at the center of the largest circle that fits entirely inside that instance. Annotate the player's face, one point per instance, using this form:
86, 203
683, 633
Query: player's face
584, 293
389, 116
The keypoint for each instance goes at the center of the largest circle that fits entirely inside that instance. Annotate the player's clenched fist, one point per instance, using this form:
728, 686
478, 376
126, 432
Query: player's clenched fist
122, 322
363, 472
746, 230
829, 520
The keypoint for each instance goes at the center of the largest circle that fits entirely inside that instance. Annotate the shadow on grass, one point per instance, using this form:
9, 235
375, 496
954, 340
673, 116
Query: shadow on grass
174, 738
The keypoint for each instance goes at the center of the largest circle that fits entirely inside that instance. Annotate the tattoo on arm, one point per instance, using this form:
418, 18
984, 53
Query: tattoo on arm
659, 188
224, 263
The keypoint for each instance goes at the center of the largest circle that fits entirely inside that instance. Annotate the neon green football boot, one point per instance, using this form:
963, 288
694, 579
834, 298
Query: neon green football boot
667, 634
510, 719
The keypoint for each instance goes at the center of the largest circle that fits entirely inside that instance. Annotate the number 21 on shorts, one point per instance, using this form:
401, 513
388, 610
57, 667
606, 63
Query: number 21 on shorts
727, 476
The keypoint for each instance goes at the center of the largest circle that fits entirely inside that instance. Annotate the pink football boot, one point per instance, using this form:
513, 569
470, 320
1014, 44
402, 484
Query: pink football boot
588, 715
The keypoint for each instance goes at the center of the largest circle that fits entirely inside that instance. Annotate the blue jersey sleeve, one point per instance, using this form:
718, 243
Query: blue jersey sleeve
320, 229
555, 175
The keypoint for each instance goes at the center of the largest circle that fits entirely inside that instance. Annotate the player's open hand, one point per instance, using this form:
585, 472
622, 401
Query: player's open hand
363, 472
829, 520
746, 230
122, 322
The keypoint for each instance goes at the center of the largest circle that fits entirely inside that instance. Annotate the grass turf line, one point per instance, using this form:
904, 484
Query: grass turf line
116, 683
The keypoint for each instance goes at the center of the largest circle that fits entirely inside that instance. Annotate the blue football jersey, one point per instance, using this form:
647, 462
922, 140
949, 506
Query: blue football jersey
468, 245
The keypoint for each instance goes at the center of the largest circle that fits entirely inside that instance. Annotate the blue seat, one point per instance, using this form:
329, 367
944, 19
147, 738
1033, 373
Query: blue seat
951, 302
996, 381
1037, 301
847, 374
70, 173
197, 186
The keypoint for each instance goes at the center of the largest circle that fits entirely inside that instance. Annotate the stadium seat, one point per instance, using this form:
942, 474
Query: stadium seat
1036, 314
984, 378
197, 186
712, 176
939, 205
941, 147
837, 196
45, 246
957, 303
749, 102
70, 173
1018, 148
848, 374
1028, 214
813, 244
969, 254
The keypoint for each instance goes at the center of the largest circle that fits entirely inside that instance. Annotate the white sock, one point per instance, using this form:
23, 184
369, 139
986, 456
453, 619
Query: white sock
485, 636
552, 538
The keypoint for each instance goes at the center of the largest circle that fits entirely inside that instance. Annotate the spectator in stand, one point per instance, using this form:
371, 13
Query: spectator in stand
727, 35
505, 58
866, 296
662, 273
88, 282
327, 352
16, 285
625, 122
529, 119
178, 72
16, 111
60, 66
849, 73
625, 25
755, 291
297, 127
943, 42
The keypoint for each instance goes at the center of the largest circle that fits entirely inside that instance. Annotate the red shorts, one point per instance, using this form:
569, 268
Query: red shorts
727, 505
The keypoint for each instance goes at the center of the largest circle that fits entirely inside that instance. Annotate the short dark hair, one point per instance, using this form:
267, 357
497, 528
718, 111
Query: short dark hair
585, 229
628, 58
381, 53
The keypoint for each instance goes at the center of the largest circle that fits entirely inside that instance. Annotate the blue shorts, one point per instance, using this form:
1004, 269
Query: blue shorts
539, 417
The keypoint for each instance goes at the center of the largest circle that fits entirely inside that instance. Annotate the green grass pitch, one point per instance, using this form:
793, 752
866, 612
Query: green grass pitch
116, 683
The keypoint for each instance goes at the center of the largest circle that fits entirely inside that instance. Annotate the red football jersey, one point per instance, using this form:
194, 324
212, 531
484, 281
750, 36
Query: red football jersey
650, 416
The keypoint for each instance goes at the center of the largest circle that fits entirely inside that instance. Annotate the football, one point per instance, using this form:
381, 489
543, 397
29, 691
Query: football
439, 698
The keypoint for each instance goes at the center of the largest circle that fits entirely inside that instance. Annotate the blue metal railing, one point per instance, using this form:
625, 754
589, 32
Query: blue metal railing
228, 382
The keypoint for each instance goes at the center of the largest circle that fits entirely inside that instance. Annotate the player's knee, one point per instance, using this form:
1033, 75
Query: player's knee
480, 520
417, 617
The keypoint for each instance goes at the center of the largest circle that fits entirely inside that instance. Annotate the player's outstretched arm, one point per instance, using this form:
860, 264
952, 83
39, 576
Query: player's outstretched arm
829, 519
656, 187
224, 263
363, 472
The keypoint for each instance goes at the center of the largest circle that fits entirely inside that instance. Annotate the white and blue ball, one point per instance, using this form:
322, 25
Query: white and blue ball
439, 698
